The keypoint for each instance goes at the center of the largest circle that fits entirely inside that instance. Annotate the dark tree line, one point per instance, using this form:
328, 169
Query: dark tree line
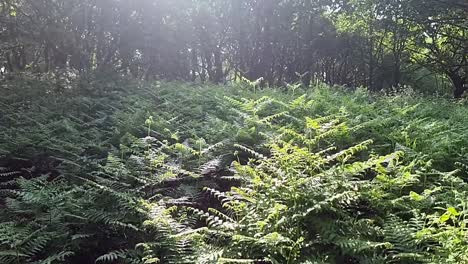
372, 43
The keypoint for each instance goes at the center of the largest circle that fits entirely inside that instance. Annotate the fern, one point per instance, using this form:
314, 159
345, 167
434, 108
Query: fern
112, 256
307, 186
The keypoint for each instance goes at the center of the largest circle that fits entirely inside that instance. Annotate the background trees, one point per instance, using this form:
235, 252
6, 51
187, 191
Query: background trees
379, 44
442, 40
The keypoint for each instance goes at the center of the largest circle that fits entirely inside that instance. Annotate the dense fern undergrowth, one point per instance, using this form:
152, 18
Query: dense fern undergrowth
128, 172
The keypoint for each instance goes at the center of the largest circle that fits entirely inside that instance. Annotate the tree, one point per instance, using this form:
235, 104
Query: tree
348, 42
442, 40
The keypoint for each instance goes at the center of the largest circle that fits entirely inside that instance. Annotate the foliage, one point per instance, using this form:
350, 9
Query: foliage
313, 199
372, 43
184, 173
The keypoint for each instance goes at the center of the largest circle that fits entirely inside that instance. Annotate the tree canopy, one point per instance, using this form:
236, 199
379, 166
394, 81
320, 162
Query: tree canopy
372, 43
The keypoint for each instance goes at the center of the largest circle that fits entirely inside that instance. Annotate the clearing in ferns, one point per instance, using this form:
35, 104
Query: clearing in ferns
212, 131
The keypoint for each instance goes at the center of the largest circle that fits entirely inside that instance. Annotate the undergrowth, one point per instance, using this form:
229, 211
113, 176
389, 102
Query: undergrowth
161, 172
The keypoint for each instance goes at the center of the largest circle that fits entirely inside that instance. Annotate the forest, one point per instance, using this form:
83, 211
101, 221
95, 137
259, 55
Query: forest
233, 131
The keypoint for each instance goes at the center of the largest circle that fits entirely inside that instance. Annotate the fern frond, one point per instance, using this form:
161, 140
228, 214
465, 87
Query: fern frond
250, 151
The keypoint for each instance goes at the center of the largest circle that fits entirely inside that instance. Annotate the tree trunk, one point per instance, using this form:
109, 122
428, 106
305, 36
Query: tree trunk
459, 84
371, 58
218, 64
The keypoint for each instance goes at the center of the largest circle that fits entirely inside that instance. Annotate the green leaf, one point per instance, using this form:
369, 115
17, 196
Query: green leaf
416, 197
12, 11
444, 218
453, 211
